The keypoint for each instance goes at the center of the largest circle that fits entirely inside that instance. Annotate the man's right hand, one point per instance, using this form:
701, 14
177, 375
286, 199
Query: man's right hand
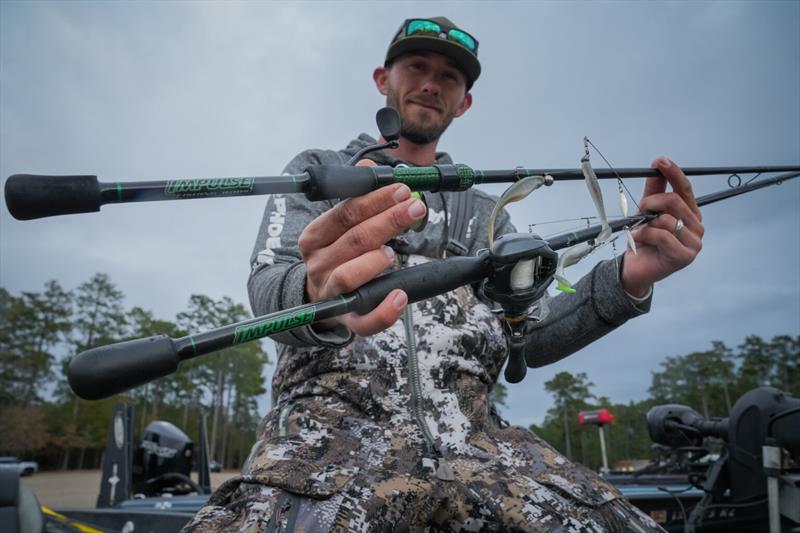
344, 248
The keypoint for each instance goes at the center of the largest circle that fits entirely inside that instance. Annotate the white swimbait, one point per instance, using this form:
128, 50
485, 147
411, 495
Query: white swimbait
579, 251
515, 193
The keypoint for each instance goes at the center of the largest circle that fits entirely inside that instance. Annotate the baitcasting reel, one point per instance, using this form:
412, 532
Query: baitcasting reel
523, 266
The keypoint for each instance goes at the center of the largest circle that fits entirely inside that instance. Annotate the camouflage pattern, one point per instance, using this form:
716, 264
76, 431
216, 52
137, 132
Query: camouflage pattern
395, 432
343, 450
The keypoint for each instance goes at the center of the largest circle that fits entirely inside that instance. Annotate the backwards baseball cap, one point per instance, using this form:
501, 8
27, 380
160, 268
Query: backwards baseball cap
438, 34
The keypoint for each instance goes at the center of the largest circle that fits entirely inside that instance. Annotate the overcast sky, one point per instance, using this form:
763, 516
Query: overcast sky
157, 90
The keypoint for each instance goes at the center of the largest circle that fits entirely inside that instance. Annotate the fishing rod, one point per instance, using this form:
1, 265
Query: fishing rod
107, 370
32, 196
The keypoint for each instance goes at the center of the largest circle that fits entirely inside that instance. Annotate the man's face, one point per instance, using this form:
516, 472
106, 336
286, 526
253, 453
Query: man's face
428, 90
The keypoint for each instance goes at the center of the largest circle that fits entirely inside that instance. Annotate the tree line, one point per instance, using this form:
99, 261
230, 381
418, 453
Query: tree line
41, 418
708, 381
40, 333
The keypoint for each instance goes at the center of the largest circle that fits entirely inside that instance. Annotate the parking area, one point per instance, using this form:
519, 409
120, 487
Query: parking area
78, 488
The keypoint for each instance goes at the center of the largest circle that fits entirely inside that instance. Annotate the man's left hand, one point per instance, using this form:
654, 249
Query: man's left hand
669, 242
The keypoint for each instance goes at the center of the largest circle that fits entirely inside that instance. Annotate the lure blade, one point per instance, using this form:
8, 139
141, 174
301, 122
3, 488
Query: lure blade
579, 251
593, 184
623, 203
631, 241
570, 257
515, 193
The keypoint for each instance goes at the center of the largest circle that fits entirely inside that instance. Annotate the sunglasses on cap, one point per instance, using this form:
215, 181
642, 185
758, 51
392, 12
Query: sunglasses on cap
424, 27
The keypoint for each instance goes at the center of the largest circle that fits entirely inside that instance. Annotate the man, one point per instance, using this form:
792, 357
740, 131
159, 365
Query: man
383, 422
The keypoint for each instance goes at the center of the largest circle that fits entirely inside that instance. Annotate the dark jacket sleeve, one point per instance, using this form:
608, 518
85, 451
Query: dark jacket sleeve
569, 322
278, 274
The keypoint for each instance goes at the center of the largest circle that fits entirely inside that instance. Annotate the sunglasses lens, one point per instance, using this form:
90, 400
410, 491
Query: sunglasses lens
423, 26
462, 38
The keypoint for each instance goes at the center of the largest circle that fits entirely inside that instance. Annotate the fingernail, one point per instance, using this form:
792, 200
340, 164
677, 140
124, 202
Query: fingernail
416, 209
389, 252
400, 300
663, 162
401, 193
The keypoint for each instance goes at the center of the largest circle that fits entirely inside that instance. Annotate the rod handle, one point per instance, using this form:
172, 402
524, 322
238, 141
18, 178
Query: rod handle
422, 281
30, 196
329, 182
107, 370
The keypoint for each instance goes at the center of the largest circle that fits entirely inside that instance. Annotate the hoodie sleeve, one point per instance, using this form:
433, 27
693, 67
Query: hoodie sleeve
278, 274
569, 322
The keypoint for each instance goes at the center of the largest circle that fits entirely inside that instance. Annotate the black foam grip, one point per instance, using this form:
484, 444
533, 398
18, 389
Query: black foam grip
329, 182
107, 370
423, 281
30, 196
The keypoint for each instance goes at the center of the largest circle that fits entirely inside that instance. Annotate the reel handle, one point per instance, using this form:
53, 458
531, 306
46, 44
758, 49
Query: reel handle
516, 367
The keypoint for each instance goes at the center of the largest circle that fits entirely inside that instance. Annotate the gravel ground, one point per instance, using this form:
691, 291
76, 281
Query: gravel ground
78, 488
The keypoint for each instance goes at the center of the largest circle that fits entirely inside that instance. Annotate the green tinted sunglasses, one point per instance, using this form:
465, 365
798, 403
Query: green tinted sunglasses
429, 27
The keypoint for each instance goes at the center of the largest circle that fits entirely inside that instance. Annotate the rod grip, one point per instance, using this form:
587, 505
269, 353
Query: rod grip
422, 281
107, 370
30, 196
329, 182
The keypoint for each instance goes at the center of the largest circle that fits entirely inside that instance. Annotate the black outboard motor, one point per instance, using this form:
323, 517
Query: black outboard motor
163, 461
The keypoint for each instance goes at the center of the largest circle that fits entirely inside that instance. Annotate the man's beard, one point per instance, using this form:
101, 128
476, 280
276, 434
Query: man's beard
415, 132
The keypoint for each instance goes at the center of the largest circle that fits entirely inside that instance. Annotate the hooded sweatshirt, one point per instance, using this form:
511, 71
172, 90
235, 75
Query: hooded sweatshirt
563, 324
412, 400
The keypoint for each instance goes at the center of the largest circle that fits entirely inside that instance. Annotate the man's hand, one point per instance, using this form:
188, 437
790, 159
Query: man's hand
344, 248
664, 245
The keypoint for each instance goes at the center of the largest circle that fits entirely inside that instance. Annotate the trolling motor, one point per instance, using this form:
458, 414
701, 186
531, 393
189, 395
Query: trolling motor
761, 415
761, 457
677, 426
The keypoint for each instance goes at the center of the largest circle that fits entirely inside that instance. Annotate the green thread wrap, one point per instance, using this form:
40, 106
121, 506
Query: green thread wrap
418, 178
